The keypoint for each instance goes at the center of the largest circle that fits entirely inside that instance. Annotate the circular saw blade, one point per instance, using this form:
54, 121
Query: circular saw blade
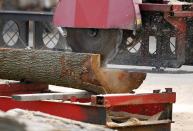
104, 42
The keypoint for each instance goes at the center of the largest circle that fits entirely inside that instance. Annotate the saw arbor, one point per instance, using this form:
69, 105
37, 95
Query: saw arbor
104, 42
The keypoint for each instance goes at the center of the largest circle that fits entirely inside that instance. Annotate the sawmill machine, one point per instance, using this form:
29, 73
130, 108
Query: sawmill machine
136, 33
141, 34
79, 45
153, 33
37, 5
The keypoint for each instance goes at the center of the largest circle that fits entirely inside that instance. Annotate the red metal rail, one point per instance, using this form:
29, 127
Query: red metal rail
100, 109
129, 99
19, 88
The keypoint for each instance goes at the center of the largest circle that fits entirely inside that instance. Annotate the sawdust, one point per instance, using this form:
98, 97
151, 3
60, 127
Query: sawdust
183, 86
21, 120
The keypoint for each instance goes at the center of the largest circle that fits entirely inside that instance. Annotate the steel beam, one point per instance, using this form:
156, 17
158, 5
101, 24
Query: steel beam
9, 89
50, 96
26, 15
133, 99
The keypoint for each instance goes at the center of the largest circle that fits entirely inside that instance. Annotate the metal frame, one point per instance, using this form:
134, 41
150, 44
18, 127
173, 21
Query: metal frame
41, 21
21, 88
153, 110
176, 17
27, 15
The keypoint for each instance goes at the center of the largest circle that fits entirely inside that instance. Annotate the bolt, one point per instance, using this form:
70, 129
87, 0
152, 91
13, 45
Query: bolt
156, 91
100, 100
168, 90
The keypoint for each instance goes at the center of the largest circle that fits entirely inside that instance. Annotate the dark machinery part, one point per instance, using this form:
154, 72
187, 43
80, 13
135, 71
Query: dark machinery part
158, 43
104, 42
156, 40
155, 44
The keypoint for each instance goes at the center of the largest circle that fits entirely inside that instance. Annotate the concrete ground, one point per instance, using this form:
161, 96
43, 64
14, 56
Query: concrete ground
182, 84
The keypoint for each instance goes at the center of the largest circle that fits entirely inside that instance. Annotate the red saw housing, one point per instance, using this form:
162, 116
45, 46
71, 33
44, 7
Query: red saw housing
103, 14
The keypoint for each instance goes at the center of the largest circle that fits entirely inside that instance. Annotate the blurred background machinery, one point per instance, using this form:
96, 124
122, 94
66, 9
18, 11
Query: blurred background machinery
38, 29
28, 4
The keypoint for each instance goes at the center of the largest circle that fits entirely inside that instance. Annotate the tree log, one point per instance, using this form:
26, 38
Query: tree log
80, 71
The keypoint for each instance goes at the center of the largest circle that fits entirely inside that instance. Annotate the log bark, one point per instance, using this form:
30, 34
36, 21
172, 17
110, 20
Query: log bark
80, 71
